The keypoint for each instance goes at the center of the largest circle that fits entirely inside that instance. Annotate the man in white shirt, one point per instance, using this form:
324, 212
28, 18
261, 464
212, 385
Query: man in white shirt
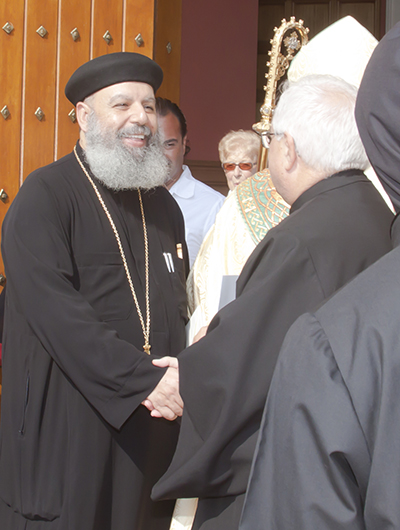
199, 203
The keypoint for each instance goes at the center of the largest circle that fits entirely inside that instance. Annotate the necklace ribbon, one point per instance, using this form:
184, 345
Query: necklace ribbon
145, 327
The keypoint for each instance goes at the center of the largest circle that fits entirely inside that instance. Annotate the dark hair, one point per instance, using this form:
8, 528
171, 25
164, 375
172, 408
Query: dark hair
165, 106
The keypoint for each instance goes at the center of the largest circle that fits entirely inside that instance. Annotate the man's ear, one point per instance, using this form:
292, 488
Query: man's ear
184, 141
290, 152
82, 114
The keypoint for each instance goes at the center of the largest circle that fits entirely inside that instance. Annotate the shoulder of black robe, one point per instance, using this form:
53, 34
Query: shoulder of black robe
224, 378
328, 454
378, 112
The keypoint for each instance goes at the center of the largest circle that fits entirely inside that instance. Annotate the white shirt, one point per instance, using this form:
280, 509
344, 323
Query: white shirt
199, 204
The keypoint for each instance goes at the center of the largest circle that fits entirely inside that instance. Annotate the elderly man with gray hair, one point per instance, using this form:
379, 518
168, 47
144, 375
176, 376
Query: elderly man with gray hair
337, 226
328, 455
315, 135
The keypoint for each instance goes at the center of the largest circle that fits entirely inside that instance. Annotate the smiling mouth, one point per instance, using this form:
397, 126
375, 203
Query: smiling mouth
135, 140
135, 136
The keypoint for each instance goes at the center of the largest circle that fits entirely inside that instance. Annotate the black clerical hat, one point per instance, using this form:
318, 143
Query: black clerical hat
111, 69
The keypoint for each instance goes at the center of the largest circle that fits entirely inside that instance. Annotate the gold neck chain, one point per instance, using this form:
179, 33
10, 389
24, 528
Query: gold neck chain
145, 327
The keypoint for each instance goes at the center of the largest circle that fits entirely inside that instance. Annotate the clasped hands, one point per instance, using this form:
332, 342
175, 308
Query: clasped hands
165, 400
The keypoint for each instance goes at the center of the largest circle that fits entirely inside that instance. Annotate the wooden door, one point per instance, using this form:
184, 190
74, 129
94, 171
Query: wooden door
41, 45
11, 60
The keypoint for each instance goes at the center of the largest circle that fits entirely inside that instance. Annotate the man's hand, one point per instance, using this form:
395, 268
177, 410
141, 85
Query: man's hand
165, 400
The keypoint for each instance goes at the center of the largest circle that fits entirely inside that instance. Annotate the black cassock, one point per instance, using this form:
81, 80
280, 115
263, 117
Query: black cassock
335, 229
78, 451
329, 453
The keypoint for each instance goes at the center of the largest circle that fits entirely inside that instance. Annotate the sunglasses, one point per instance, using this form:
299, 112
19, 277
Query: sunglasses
244, 166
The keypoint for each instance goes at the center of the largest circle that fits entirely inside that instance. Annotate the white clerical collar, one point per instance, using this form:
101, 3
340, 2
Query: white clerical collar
184, 187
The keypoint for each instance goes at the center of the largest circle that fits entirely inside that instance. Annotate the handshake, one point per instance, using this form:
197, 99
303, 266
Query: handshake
165, 400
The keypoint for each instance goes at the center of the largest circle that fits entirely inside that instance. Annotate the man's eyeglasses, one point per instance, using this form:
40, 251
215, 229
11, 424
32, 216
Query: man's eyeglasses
244, 166
266, 138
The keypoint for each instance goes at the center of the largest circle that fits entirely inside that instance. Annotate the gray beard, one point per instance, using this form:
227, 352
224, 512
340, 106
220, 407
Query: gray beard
120, 167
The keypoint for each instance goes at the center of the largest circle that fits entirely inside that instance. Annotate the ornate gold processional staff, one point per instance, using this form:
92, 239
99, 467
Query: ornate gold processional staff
277, 65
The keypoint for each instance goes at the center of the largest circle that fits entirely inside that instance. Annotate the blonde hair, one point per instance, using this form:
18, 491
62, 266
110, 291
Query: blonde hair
247, 142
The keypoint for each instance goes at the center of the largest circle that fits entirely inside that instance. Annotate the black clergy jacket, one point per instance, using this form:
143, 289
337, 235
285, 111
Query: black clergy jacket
78, 451
329, 450
335, 229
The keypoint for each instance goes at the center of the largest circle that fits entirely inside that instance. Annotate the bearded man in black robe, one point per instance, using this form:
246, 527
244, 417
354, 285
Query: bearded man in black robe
328, 454
95, 258
338, 225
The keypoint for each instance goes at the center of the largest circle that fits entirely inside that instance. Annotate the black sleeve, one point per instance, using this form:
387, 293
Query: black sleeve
224, 378
2, 302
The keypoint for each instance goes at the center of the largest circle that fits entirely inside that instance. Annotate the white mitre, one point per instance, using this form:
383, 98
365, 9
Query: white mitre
343, 49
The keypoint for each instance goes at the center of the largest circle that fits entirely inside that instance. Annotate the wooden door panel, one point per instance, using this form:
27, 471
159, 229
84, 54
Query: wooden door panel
11, 59
107, 16
365, 12
316, 15
269, 16
167, 46
72, 54
139, 18
40, 84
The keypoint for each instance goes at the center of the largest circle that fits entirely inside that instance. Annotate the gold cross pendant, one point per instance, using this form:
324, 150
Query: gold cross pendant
146, 348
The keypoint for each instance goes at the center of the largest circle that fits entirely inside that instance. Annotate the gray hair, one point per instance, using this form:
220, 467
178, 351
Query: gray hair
247, 142
318, 112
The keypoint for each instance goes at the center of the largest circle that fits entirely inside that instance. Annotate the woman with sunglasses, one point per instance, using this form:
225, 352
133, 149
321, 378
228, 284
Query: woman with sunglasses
238, 152
247, 214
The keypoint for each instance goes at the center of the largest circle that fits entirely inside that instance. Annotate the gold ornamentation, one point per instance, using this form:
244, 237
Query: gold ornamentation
260, 205
39, 114
139, 40
277, 66
42, 31
145, 327
75, 34
3, 195
5, 112
8, 27
72, 115
292, 44
107, 37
